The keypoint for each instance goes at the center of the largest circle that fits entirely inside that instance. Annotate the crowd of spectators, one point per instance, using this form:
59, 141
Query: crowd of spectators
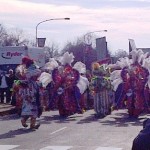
6, 84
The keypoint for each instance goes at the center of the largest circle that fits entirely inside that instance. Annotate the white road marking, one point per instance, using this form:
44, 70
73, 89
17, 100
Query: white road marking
108, 148
8, 147
11, 147
70, 147
56, 148
58, 130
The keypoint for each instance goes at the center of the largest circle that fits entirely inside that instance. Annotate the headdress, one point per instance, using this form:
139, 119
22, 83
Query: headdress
26, 60
27, 69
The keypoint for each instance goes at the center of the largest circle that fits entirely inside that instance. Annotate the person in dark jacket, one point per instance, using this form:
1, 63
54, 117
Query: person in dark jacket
12, 78
4, 87
142, 141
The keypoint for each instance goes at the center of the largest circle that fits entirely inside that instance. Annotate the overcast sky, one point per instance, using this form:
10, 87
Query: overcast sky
124, 19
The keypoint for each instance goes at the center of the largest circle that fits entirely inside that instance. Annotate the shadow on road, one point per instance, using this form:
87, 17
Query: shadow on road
117, 119
45, 119
13, 133
122, 122
10, 117
88, 119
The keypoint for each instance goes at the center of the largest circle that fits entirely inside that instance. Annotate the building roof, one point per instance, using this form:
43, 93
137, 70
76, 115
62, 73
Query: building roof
144, 49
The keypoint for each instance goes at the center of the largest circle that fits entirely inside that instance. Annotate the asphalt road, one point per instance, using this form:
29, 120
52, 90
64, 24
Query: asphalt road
78, 132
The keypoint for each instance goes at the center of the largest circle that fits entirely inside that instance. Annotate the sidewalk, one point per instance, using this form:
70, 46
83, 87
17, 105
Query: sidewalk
7, 109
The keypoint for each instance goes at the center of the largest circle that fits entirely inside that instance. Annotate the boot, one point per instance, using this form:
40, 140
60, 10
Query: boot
23, 122
33, 124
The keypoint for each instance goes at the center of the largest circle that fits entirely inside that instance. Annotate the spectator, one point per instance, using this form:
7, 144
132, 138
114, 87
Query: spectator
4, 83
142, 141
12, 78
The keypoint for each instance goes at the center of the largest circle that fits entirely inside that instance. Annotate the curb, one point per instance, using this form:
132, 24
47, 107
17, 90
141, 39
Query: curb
8, 112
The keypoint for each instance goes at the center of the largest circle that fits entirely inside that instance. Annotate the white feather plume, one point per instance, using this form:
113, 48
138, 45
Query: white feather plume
81, 67
113, 66
146, 63
66, 58
134, 55
123, 62
20, 69
145, 60
45, 78
115, 83
148, 82
115, 74
82, 84
140, 55
51, 65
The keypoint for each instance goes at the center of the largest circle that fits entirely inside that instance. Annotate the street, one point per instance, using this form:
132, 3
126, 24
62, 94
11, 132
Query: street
77, 132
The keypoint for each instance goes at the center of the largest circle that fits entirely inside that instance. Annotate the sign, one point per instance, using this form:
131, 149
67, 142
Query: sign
12, 55
41, 42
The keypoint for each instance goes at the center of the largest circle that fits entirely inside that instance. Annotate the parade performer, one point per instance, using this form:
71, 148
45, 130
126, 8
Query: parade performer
102, 89
65, 79
48, 93
15, 93
83, 85
45, 80
29, 92
19, 73
131, 83
67, 87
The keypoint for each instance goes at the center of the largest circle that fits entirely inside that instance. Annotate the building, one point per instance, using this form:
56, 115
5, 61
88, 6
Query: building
145, 50
101, 48
132, 46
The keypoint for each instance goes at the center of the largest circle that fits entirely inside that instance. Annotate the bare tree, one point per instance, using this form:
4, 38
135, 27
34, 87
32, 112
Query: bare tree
32, 43
3, 34
121, 53
12, 37
16, 37
81, 52
52, 50
77, 48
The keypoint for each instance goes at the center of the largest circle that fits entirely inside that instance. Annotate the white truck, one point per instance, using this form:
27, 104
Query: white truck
11, 56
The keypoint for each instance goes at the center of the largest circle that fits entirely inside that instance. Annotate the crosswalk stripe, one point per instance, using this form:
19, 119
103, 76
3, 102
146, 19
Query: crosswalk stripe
7, 147
11, 147
108, 148
57, 148
69, 148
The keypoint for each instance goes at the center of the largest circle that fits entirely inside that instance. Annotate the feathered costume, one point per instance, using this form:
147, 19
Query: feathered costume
66, 85
102, 89
47, 89
28, 91
131, 83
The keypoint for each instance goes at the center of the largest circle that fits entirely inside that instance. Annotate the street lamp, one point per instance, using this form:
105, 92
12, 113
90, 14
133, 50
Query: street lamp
88, 43
46, 21
88, 35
